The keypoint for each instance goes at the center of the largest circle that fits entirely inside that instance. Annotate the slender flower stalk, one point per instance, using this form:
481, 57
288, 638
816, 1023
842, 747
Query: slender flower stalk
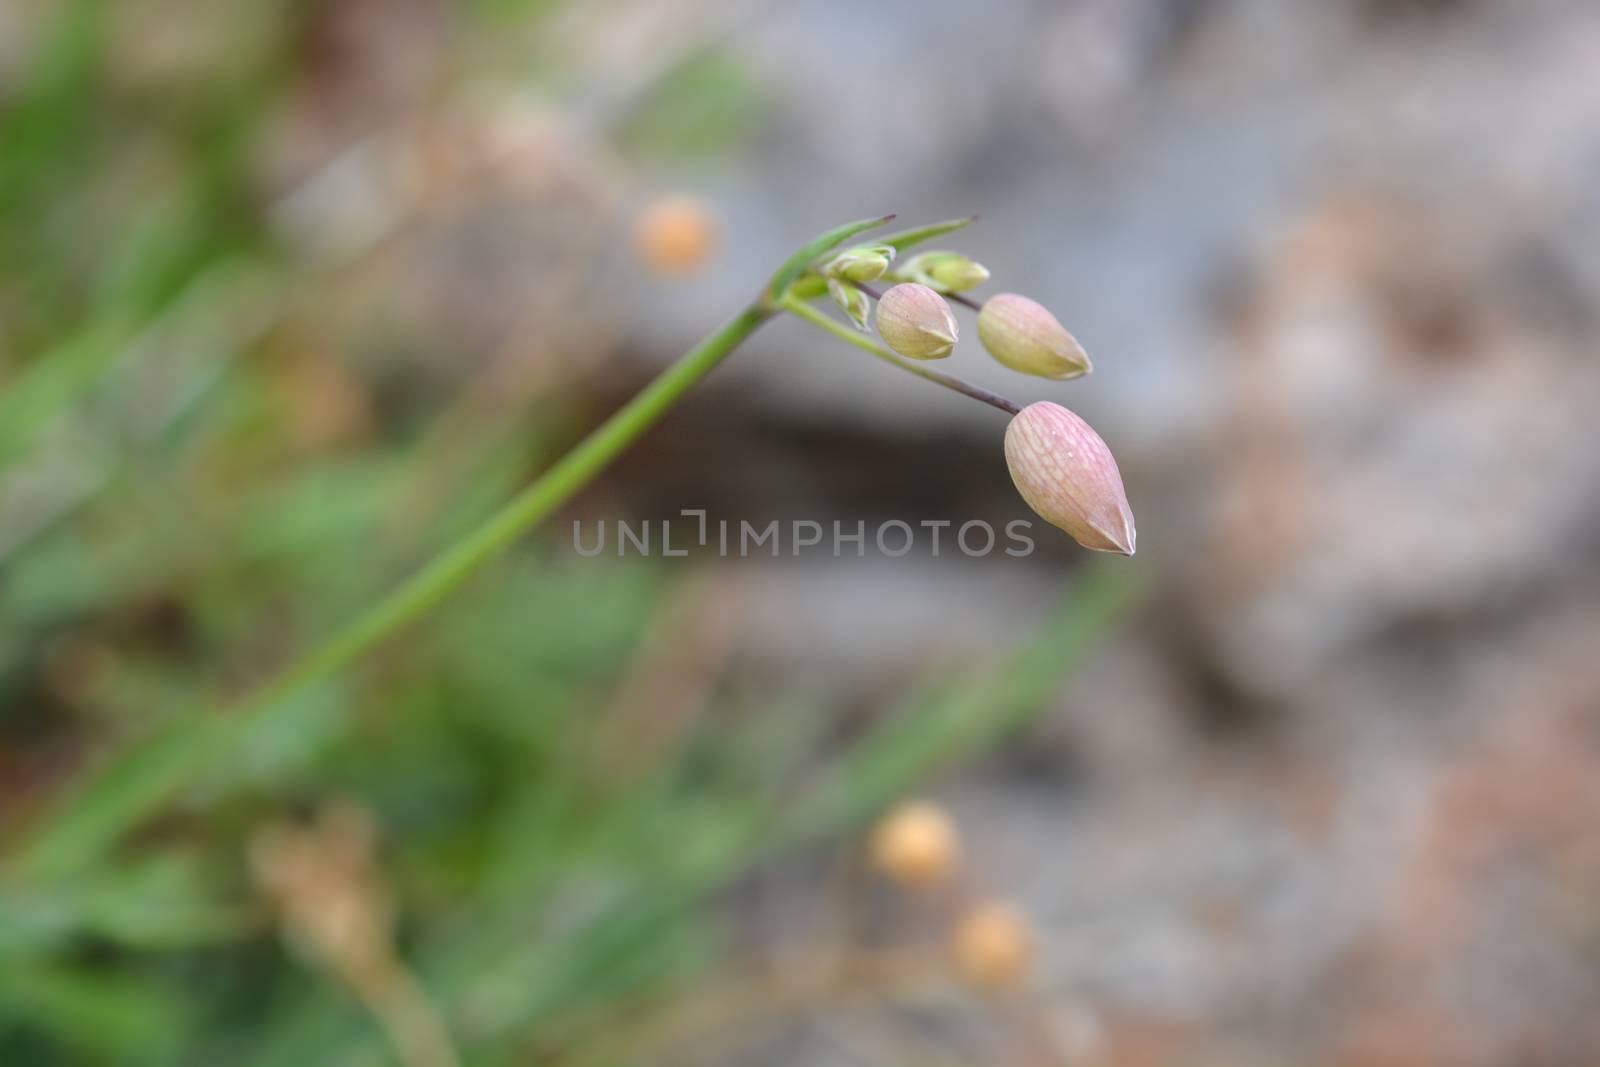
87, 817
955, 298
805, 311
137, 785
1084, 498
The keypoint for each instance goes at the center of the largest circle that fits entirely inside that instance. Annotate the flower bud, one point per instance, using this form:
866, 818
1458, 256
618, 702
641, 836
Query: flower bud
992, 946
916, 322
1024, 336
863, 263
916, 846
946, 272
851, 301
1067, 474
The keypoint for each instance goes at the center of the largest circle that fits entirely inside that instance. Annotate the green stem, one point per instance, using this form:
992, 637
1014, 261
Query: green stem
816, 318
143, 780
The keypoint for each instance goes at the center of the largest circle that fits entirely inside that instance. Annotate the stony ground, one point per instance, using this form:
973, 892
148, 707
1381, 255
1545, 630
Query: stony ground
1333, 795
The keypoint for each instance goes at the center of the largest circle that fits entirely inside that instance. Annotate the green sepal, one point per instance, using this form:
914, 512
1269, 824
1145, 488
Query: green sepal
906, 238
796, 264
852, 301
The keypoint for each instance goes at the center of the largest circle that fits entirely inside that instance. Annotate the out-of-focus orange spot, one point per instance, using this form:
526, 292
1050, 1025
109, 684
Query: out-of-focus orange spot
992, 946
916, 845
675, 235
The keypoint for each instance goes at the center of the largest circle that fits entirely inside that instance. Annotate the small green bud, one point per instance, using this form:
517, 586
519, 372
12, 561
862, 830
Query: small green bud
863, 263
1024, 336
946, 272
916, 322
851, 301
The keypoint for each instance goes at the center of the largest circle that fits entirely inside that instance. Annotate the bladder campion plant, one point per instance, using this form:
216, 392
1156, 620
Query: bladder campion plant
1061, 467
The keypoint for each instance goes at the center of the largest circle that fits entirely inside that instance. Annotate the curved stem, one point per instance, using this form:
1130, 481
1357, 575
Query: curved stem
406, 1016
957, 298
142, 780
816, 318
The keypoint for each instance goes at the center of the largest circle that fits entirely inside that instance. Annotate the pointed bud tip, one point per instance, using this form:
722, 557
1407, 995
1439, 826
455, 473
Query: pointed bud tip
1022, 334
1067, 475
915, 321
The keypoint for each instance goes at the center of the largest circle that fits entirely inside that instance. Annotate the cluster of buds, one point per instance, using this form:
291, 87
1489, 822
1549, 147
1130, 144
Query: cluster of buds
849, 270
917, 847
1061, 467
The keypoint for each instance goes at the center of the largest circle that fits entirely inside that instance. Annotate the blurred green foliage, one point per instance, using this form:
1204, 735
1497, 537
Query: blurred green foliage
171, 537
705, 108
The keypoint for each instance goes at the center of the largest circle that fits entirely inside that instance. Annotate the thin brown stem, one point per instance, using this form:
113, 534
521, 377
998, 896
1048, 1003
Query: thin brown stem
949, 381
957, 298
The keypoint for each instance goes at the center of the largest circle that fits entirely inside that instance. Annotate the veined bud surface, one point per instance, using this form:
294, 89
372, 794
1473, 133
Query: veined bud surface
946, 272
1023, 335
851, 301
916, 322
863, 263
1067, 474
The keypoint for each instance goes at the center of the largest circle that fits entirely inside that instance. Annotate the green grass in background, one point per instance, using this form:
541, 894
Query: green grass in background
170, 536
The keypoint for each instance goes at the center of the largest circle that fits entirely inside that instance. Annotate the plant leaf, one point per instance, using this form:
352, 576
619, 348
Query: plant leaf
797, 263
956, 716
906, 238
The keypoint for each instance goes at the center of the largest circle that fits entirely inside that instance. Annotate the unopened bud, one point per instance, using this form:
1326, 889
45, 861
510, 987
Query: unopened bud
1023, 335
946, 272
851, 301
1067, 474
863, 263
916, 322
916, 845
992, 946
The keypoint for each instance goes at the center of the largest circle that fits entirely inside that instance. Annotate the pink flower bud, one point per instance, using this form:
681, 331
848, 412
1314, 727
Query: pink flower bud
916, 322
1067, 474
1023, 335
